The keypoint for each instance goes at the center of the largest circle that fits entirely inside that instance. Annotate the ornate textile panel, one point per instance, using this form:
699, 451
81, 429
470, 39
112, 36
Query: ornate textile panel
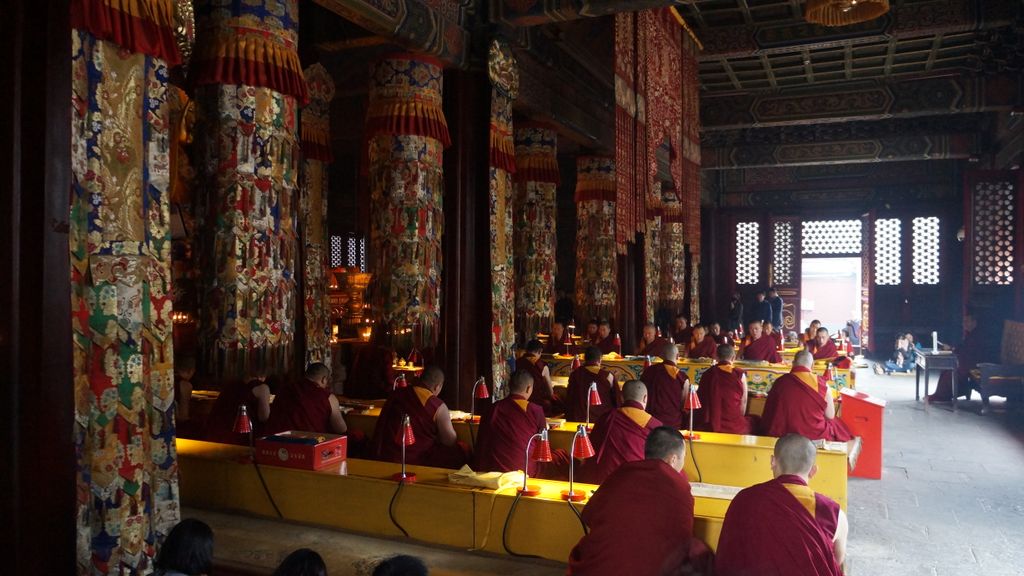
250, 155
316, 151
652, 267
407, 134
672, 286
502, 268
694, 286
689, 188
596, 265
120, 249
535, 217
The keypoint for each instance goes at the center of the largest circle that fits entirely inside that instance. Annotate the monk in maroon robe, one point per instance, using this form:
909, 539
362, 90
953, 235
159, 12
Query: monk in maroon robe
543, 391
811, 333
681, 330
801, 403
505, 428
715, 331
822, 347
723, 397
255, 394
578, 392
641, 518
968, 355
650, 342
590, 337
782, 527
666, 384
770, 330
757, 346
557, 340
436, 443
701, 344
605, 339
307, 405
619, 435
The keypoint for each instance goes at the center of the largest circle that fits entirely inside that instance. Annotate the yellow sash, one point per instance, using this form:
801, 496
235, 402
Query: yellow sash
522, 403
807, 378
672, 370
637, 415
726, 368
423, 394
593, 369
804, 495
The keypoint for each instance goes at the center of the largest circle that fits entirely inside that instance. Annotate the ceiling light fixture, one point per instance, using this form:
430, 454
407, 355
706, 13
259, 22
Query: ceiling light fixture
844, 12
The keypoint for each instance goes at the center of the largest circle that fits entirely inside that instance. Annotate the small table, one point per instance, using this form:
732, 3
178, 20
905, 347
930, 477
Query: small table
925, 360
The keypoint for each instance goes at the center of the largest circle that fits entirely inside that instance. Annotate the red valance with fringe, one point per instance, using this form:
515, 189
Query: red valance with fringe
406, 100
503, 151
142, 26
316, 142
240, 55
537, 168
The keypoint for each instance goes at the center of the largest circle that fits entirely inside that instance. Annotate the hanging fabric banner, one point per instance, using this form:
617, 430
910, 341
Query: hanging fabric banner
652, 265
316, 151
120, 250
673, 284
596, 265
535, 216
138, 26
406, 133
248, 141
504, 78
690, 186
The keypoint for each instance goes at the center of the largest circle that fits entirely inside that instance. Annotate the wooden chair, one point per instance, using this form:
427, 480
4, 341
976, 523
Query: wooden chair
1005, 379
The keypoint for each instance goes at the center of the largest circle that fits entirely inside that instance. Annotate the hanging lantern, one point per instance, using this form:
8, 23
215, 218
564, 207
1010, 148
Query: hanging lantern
844, 12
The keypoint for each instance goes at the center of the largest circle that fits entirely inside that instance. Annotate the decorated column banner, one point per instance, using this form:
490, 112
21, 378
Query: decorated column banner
535, 216
694, 286
120, 253
316, 153
652, 264
596, 265
672, 288
249, 91
407, 133
504, 77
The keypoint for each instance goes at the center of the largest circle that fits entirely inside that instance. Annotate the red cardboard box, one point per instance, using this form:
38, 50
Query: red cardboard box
305, 450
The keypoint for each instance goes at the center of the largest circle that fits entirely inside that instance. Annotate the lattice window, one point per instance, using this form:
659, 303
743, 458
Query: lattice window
926, 250
336, 252
782, 254
747, 253
887, 252
993, 225
832, 237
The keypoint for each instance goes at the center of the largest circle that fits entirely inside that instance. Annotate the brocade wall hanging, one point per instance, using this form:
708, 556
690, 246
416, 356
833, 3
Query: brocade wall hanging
596, 265
248, 95
316, 152
407, 134
690, 186
504, 86
672, 287
120, 251
535, 216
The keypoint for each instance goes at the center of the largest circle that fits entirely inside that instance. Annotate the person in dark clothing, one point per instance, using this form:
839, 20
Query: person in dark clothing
775, 301
735, 320
761, 311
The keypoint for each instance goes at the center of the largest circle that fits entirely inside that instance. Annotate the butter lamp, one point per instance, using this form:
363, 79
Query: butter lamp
405, 438
541, 452
581, 449
593, 399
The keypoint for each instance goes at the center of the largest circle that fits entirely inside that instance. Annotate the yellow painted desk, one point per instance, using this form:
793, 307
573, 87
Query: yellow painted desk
727, 459
214, 476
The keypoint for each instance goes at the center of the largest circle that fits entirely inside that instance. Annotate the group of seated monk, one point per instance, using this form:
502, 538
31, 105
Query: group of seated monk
762, 343
641, 519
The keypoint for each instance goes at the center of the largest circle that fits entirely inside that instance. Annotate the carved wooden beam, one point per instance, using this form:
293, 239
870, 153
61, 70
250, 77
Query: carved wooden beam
864, 100
904, 21
412, 24
534, 12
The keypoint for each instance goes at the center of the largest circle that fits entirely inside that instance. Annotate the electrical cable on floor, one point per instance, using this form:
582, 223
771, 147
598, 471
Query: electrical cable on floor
504, 531
391, 508
586, 529
694, 458
266, 489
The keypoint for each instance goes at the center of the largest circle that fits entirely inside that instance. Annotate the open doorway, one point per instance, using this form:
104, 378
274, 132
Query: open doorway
830, 291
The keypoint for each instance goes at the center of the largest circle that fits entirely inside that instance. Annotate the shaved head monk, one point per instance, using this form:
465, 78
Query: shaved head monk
578, 392
557, 339
436, 444
758, 346
681, 331
605, 341
665, 386
781, 527
701, 344
822, 346
801, 403
543, 392
723, 396
507, 426
307, 405
811, 332
641, 518
771, 330
650, 342
619, 435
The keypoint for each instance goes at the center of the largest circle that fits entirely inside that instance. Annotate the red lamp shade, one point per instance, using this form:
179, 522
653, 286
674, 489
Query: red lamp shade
658, 331
575, 362
692, 400
583, 449
647, 361
400, 381
480, 390
542, 449
414, 357
595, 397
406, 437
243, 425
617, 341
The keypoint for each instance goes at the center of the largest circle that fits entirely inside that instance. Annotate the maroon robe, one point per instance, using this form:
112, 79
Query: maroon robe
655, 348
504, 430
220, 423
778, 528
559, 347
796, 405
618, 437
665, 384
543, 395
764, 348
421, 406
641, 523
721, 399
823, 352
968, 355
302, 405
578, 393
706, 348
607, 345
